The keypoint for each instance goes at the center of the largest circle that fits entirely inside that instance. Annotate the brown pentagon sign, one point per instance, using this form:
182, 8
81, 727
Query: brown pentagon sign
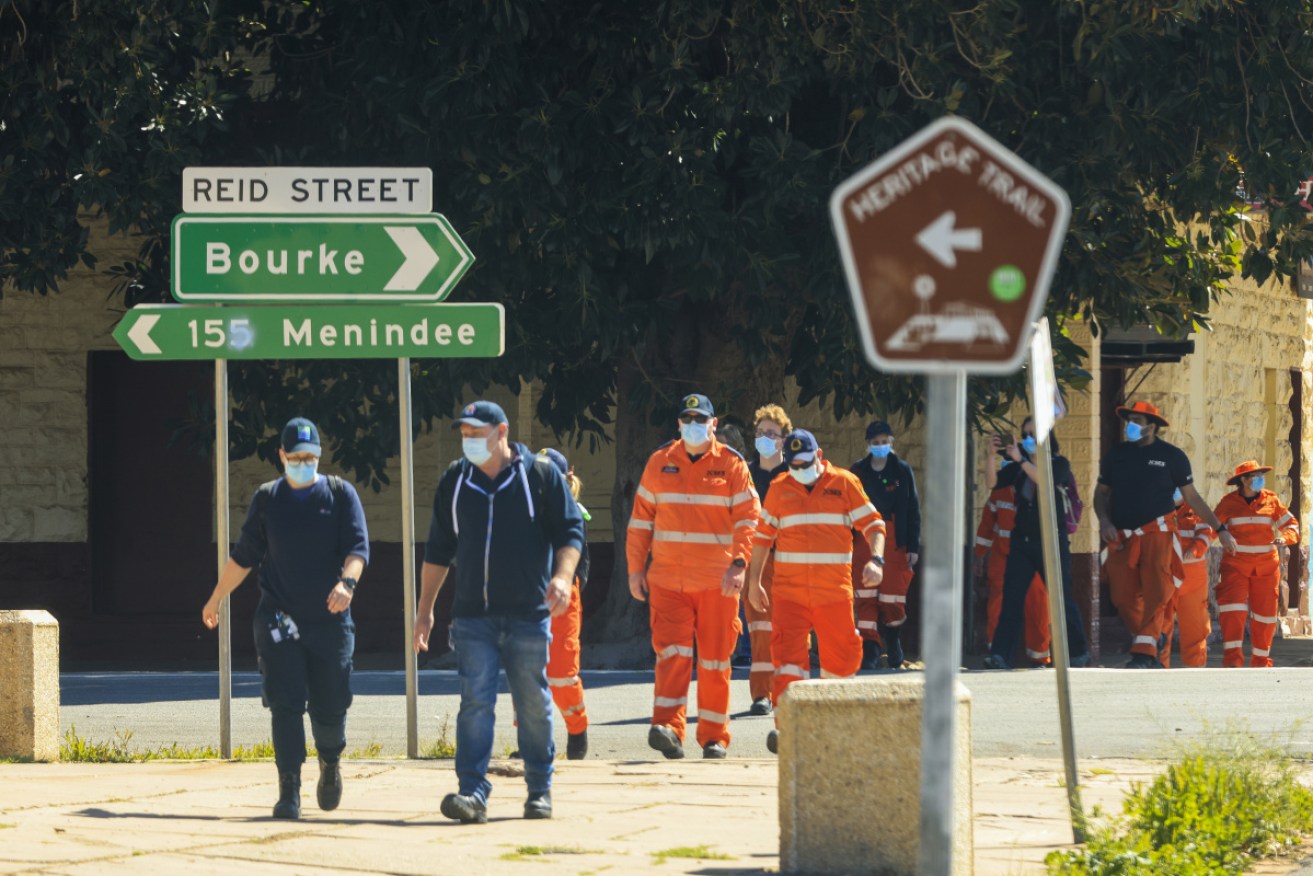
949, 242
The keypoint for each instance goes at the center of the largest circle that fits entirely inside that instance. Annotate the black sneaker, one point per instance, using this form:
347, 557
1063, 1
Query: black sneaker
1142, 661
576, 745
539, 805
760, 706
289, 796
465, 809
870, 654
993, 661
773, 741
329, 790
714, 751
664, 740
1079, 661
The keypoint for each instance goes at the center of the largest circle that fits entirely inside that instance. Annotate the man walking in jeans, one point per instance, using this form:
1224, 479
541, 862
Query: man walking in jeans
503, 516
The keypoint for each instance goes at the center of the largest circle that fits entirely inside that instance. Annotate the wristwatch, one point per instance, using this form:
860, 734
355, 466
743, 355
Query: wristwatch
879, 561
738, 561
349, 583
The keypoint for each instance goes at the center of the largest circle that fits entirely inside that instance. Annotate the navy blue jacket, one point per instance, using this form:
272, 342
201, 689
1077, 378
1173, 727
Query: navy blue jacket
301, 538
893, 493
501, 535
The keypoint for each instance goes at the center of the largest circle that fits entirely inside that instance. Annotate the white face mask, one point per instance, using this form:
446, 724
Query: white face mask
695, 434
806, 476
476, 450
767, 446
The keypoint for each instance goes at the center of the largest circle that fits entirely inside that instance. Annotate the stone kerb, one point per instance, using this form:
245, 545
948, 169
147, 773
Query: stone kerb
29, 685
850, 777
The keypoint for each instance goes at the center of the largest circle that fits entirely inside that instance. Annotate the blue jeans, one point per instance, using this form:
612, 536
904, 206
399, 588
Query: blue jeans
484, 646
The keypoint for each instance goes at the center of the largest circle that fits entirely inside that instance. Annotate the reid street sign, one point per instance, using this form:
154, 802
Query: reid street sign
949, 241
315, 258
351, 190
388, 331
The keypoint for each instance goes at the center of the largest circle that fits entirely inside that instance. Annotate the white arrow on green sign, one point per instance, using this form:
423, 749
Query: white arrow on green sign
316, 258
336, 331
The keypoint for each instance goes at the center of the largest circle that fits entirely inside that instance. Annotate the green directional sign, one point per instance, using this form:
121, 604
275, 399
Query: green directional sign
337, 331
278, 258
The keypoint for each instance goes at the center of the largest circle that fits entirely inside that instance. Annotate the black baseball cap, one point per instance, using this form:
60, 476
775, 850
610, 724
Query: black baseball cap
879, 427
301, 436
481, 413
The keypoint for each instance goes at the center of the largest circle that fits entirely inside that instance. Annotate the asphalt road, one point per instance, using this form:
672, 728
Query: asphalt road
1117, 712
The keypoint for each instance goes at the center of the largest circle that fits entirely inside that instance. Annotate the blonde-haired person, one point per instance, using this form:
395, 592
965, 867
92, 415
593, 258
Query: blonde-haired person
770, 424
563, 654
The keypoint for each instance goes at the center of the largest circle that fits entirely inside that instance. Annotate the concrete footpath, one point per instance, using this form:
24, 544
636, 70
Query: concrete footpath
688, 816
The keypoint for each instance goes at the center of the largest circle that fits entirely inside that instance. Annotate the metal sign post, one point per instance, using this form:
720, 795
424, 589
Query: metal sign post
222, 546
1044, 399
941, 614
407, 463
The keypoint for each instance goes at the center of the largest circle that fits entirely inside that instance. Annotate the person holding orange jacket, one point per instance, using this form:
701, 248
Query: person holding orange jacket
694, 515
1251, 576
993, 542
809, 517
1189, 607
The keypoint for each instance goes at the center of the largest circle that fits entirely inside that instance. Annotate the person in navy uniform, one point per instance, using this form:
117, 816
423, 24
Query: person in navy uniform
307, 532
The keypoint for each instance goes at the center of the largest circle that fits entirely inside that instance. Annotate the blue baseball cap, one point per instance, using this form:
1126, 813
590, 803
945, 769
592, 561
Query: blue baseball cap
800, 445
558, 459
480, 413
697, 403
301, 436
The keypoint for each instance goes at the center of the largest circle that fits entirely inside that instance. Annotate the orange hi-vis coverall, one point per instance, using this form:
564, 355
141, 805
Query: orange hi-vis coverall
563, 664
1189, 607
693, 517
1251, 577
811, 530
1144, 570
994, 536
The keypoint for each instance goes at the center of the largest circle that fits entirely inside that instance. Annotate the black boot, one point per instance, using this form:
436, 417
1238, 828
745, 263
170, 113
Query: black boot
329, 791
870, 654
289, 796
893, 646
576, 745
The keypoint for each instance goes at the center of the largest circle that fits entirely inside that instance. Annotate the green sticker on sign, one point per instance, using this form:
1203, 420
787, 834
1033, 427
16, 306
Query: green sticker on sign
1007, 283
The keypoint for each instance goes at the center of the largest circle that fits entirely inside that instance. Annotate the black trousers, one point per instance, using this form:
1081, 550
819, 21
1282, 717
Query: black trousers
1025, 559
313, 671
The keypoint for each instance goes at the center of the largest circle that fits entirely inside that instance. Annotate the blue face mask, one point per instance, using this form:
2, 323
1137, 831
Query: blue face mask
695, 434
1257, 483
475, 450
881, 451
766, 445
1028, 445
1177, 498
1133, 431
302, 473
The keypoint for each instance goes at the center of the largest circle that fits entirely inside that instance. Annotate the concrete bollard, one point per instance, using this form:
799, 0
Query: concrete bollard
29, 685
850, 777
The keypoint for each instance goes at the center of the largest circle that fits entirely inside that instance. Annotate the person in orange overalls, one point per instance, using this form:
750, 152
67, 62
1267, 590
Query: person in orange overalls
694, 514
563, 653
1189, 608
771, 425
993, 541
1251, 577
1137, 523
809, 517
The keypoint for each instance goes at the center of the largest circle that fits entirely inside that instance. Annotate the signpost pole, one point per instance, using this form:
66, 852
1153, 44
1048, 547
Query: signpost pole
941, 618
408, 555
221, 540
1043, 389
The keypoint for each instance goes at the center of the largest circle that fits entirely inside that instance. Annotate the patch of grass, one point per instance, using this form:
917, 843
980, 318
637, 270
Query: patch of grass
525, 853
75, 749
369, 752
698, 853
4, 826
1102, 771
442, 748
1213, 811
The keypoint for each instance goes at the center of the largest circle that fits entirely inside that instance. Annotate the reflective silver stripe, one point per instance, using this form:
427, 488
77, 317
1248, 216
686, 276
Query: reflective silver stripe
569, 681
825, 673
1189, 560
1037, 655
1240, 643
748, 521
693, 499
808, 557
866, 594
1004, 533
867, 625
691, 537
983, 542
862, 511
573, 710
675, 651
1146, 640
635, 523
897, 623
808, 519
762, 667
1259, 652
1246, 521
713, 717
767, 517
669, 702
647, 494
889, 597
1284, 520
1232, 606
741, 497
713, 665
1007, 505
791, 669
1263, 619
758, 626
1254, 548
